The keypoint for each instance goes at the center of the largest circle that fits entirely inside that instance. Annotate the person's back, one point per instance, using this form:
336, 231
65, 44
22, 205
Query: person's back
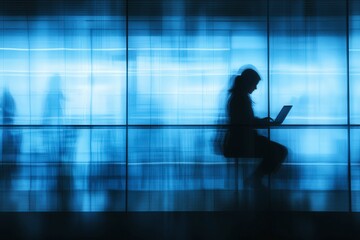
241, 132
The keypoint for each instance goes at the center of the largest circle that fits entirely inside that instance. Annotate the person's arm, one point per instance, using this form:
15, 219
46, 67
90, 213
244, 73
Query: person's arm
263, 121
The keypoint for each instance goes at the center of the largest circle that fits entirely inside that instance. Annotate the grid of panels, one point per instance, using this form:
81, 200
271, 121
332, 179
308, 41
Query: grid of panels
116, 113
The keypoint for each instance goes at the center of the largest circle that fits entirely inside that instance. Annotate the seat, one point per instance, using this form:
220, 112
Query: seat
242, 168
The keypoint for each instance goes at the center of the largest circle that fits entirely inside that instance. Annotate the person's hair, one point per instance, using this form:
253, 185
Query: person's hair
245, 80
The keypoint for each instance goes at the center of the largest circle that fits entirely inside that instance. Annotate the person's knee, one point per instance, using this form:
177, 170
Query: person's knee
281, 152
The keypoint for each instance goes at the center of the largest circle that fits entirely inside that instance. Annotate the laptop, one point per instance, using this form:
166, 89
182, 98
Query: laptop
282, 114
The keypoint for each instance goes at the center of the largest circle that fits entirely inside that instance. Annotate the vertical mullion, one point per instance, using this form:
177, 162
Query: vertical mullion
30, 122
91, 112
348, 104
127, 106
268, 73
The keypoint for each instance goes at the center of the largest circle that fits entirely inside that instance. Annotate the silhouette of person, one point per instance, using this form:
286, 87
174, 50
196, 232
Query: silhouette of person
242, 139
10, 138
59, 141
54, 102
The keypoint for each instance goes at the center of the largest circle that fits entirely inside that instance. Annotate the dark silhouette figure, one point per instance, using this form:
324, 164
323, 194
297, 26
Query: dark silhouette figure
106, 175
242, 138
59, 142
10, 139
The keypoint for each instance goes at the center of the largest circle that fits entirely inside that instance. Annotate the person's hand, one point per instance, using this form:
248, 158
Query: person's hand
268, 120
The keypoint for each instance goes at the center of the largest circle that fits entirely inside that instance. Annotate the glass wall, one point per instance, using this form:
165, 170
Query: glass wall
308, 62
63, 84
180, 69
180, 65
308, 69
354, 79
116, 105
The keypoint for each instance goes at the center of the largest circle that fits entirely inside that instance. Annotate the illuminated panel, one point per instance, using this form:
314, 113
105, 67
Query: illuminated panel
46, 50
68, 71
57, 71
14, 69
355, 168
108, 95
74, 169
180, 65
175, 166
308, 62
354, 64
315, 175
354, 54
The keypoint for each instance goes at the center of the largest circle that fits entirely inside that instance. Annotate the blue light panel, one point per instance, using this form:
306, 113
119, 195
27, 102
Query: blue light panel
119, 113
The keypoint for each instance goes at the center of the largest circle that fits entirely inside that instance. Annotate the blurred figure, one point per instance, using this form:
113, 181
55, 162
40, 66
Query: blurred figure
53, 115
242, 139
106, 174
10, 139
8, 107
59, 142
54, 102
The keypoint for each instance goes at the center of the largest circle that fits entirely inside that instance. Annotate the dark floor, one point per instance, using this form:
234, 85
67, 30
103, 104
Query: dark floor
182, 225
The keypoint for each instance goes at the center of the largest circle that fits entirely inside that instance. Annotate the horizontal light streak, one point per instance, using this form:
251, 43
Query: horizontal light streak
115, 49
123, 163
241, 162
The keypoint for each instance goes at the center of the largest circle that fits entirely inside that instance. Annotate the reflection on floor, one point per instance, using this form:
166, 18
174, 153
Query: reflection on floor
162, 187
182, 225
167, 201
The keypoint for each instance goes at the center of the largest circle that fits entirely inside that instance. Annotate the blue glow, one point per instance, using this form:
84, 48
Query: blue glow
354, 53
84, 104
355, 165
181, 77
308, 70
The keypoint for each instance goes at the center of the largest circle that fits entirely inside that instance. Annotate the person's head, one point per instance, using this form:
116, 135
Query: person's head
246, 82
